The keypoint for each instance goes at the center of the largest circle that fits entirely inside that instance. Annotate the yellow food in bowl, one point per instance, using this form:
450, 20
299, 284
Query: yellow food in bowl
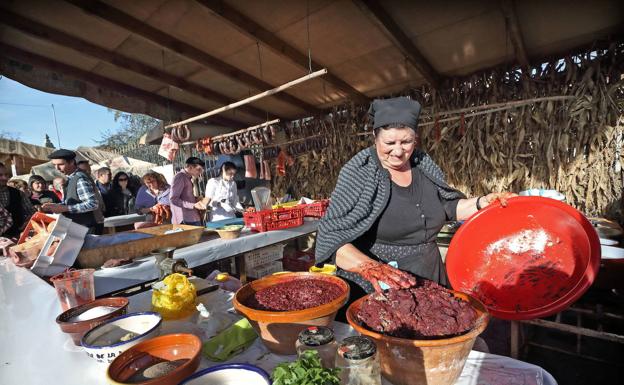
230, 228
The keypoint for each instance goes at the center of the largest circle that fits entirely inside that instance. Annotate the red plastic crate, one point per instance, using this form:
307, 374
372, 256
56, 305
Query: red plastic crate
316, 209
277, 219
299, 261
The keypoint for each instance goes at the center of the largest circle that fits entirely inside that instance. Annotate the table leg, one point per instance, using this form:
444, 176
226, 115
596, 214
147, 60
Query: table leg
240, 266
515, 339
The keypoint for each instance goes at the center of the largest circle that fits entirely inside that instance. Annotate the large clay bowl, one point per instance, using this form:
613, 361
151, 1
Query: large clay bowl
170, 347
77, 329
279, 330
432, 362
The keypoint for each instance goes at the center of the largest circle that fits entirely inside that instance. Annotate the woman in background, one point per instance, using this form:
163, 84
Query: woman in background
120, 197
222, 195
20, 185
39, 192
156, 190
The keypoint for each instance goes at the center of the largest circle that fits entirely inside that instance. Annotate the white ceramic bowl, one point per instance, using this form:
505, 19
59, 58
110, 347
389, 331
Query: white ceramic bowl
608, 242
229, 374
553, 194
102, 342
611, 252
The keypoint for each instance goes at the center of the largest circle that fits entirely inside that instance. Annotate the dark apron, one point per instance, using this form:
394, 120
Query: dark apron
422, 260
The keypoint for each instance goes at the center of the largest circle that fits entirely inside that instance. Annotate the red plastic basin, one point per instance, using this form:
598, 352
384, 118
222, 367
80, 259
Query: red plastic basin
530, 259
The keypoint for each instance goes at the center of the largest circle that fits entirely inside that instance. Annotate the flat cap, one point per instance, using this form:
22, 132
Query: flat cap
62, 154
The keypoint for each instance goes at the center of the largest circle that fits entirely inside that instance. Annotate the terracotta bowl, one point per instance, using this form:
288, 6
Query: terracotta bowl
77, 329
279, 330
169, 347
431, 362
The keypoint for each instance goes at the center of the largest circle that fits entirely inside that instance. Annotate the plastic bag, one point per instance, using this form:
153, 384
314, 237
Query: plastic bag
174, 297
168, 148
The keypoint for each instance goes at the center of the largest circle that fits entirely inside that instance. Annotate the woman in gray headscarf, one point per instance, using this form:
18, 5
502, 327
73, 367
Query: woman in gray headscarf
389, 203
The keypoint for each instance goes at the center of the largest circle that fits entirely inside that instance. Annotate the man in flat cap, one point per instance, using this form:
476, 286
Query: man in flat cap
85, 166
79, 198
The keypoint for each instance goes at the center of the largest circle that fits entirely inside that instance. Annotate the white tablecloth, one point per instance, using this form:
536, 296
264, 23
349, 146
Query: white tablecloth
144, 269
35, 351
123, 220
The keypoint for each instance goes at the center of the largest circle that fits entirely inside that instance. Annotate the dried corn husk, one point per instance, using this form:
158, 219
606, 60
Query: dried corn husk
572, 145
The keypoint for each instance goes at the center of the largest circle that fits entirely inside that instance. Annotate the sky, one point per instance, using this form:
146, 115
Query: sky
27, 112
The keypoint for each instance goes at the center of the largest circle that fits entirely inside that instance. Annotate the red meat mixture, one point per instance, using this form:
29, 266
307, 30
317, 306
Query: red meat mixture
422, 312
295, 295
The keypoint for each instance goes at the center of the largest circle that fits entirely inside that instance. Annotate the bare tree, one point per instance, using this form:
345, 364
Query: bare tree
10, 135
133, 126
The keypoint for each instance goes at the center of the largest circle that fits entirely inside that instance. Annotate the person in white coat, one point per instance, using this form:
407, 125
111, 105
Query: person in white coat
222, 195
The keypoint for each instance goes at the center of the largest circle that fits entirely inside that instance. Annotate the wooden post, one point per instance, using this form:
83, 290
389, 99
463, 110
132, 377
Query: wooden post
251, 99
14, 165
515, 339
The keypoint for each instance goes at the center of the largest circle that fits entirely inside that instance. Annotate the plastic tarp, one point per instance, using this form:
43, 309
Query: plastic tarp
98, 159
46, 170
123, 163
166, 170
93, 155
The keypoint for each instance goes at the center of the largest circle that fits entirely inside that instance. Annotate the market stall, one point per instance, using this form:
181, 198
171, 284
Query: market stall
505, 96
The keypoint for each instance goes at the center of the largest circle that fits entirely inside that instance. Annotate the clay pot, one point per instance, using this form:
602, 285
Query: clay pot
432, 362
77, 329
279, 330
143, 355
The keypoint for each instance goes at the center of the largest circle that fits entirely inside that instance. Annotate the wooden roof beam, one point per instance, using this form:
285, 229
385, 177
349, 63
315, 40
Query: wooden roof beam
10, 51
375, 11
255, 31
513, 28
55, 36
156, 36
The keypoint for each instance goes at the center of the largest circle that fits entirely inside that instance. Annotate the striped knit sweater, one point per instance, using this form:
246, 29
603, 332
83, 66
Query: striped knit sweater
361, 194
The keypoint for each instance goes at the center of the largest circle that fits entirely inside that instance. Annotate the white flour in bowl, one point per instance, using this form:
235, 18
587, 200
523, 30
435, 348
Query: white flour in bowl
94, 312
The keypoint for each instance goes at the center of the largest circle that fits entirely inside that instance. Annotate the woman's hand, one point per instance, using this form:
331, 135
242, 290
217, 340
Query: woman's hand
376, 272
493, 197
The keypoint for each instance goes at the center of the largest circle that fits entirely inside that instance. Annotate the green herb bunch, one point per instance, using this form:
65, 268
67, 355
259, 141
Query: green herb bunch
307, 370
